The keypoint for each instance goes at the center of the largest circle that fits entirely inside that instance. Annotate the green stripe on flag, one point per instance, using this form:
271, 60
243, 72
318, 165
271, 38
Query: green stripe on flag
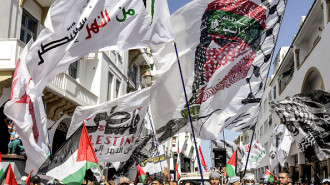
271, 178
1, 173
230, 170
142, 178
77, 177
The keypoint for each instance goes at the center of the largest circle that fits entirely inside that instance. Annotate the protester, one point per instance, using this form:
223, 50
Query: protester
124, 181
249, 179
15, 143
157, 181
283, 178
234, 180
35, 180
214, 178
326, 182
189, 183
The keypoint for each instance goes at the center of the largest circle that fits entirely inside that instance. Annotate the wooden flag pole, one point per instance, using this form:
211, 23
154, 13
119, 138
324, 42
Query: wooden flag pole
191, 124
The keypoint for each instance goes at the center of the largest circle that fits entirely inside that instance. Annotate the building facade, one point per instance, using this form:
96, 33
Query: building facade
299, 68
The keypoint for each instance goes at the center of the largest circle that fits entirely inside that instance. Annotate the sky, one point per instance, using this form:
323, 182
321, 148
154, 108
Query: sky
290, 26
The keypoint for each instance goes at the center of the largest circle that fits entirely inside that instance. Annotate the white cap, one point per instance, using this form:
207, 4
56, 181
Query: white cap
23, 178
249, 176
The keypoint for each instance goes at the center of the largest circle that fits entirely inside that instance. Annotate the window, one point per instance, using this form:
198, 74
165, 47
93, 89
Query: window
28, 27
270, 122
110, 77
261, 130
266, 147
117, 88
275, 92
270, 96
73, 69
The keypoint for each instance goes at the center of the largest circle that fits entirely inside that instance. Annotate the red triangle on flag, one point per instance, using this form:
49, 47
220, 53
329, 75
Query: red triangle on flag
10, 177
0, 158
85, 150
232, 160
28, 179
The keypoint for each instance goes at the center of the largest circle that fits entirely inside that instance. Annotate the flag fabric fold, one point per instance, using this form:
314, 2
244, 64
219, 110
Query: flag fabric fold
257, 153
269, 177
70, 163
225, 48
28, 115
178, 165
306, 116
1, 167
113, 126
28, 179
10, 177
231, 165
202, 157
141, 175
280, 144
85, 27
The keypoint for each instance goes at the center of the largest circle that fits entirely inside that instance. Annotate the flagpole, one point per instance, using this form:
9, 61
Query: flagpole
191, 124
153, 130
247, 160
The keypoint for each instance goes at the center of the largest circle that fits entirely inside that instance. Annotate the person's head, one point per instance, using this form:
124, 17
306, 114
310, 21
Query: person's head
283, 178
175, 182
189, 183
326, 182
111, 182
214, 178
124, 181
156, 181
35, 180
234, 180
249, 179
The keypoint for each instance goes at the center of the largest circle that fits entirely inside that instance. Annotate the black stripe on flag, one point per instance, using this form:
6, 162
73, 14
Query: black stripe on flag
63, 153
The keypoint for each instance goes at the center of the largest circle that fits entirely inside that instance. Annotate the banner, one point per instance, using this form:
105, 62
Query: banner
76, 28
28, 115
280, 144
306, 116
225, 48
257, 153
155, 163
113, 126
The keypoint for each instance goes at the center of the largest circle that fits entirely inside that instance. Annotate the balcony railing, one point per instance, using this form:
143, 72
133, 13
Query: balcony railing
70, 88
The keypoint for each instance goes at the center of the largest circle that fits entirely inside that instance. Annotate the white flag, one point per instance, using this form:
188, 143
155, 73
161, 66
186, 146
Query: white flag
280, 144
113, 126
257, 153
75, 28
157, 162
28, 115
225, 49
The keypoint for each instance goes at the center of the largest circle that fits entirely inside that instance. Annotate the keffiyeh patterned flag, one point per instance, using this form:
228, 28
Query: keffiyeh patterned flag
225, 48
306, 116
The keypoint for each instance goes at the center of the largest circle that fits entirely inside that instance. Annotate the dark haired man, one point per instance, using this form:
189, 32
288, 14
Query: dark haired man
283, 178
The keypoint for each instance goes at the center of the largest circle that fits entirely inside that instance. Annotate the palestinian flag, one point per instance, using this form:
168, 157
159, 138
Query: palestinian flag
269, 177
70, 163
1, 168
8, 177
141, 175
28, 179
231, 165
2, 179
178, 164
